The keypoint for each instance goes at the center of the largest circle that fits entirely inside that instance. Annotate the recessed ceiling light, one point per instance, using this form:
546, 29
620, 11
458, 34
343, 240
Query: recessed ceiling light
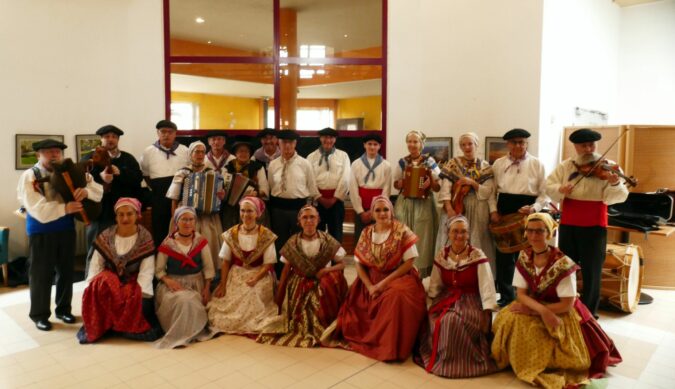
199, 20
345, 35
209, 42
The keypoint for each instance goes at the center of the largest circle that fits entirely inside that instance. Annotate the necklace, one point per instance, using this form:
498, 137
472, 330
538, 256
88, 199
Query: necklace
458, 253
310, 237
247, 230
185, 236
540, 252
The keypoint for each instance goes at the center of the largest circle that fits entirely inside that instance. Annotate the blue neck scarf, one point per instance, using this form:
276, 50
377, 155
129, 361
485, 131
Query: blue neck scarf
371, 169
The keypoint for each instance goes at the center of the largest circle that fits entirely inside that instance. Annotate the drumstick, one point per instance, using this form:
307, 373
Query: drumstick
69, 183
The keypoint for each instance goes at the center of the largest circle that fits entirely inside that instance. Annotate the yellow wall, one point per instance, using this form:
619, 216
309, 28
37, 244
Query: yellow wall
214, 110
369, 108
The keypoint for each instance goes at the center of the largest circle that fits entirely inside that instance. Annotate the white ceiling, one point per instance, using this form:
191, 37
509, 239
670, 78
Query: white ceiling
219, 86
248, 24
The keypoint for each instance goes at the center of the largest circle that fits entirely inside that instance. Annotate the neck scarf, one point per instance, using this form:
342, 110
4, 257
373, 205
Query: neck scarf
223, 158
371, 169
169, 152
516, 162
324, 156
286, 163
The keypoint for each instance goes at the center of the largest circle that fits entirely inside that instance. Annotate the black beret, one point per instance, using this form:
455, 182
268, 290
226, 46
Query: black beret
288, 135
328, 132
267, 131
211, 134
239, 144
166, 124
516, 133
584, 135
109, 128
48, 144
374, 137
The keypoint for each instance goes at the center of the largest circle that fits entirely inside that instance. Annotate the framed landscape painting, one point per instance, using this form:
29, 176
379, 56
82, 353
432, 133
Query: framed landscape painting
495, 147
438, 148
25, 157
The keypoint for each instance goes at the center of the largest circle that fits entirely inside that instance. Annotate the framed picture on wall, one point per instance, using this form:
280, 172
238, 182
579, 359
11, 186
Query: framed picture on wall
25, 157
85, 144
438, 148
495, 147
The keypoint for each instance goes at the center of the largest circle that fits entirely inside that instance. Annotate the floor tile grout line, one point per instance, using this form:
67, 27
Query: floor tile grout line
358, 372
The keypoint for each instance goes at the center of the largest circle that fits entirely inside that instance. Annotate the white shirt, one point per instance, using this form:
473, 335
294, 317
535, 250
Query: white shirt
248, 243
380, 237
154, 163
589, 189
207, 261
122, 245
527, 178
566, 288
51, 206
336, 177
311, 248
299, 180
382, 180
210, 164
486, 284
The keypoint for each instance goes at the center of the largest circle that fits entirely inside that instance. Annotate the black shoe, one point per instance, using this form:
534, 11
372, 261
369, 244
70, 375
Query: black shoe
43, 325
67, 318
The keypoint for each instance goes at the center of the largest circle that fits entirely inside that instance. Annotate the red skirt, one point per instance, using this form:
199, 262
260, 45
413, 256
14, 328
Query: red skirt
108, 304
383, 328
601, 348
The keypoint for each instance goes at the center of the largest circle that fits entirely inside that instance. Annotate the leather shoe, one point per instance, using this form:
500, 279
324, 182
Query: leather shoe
43, 325
66, 318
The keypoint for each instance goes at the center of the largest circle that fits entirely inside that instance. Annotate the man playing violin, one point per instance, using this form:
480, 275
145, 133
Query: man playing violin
521, 187
584, 198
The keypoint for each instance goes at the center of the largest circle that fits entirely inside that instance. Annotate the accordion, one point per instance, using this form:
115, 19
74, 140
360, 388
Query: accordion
235, 187
413, 177
200, 191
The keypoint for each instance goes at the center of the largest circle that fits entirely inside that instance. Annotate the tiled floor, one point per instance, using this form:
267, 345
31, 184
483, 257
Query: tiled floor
35, 359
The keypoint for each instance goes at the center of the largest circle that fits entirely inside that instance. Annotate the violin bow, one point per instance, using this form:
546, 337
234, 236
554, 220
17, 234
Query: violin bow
597, 163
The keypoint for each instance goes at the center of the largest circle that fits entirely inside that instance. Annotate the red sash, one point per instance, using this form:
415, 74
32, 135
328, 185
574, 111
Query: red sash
583, 213
327, 193
367, 195
185, 260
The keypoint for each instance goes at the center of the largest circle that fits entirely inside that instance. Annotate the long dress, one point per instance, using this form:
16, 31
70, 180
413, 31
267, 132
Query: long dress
119, 277
476, 203
310, 304
576, 350
208, 224
182, 313
455, 341
419, 214
245, 309
384, 327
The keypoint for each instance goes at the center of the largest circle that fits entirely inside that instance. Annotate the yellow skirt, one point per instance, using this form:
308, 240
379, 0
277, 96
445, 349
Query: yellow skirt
539, 355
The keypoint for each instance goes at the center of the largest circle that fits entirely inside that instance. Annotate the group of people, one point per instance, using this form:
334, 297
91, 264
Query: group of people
271, 265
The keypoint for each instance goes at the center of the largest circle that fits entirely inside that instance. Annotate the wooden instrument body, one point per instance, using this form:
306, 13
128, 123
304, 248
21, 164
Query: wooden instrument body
413, 178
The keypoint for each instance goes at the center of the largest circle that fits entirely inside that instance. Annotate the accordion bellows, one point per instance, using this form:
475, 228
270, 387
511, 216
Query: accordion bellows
200, 191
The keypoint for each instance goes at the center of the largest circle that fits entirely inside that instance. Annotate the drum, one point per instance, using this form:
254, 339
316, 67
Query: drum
622, 277
413, 178
509, 233
235, 188
200, 191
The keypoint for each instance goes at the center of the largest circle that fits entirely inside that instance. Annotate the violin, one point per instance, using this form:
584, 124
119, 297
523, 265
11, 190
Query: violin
602, 169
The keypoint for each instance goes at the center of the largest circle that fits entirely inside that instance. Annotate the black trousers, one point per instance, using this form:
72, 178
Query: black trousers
587, 247
161, 209
358, 228
51, 253
284, 224
332, 218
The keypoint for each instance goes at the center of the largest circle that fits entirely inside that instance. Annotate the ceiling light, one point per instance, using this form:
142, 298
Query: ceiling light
209, 42
199, 20
345, 35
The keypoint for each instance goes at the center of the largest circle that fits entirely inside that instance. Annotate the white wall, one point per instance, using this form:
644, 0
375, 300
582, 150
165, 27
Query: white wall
647, 64
579, 67
462, 65
69, 67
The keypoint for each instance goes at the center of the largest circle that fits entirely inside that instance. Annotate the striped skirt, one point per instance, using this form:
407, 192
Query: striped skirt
455, 342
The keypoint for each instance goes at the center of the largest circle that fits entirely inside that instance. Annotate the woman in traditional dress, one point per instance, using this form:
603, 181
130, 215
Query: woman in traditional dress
253, 170
208, 224
467, 189
185, 269
547, 335
312, 286
386, 303
243, 302
418, 211
119, 295
455, 342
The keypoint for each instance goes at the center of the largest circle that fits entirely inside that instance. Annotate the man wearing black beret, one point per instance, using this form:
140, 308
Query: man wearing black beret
269, 149
583, 224
218, 156
521, 188
50, 228
159, 162
122, 179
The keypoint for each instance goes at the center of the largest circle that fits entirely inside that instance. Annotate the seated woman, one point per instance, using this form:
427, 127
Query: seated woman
243, 301
547, 335
185, 270
312, 289
119, 295
455, 342
386, 303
